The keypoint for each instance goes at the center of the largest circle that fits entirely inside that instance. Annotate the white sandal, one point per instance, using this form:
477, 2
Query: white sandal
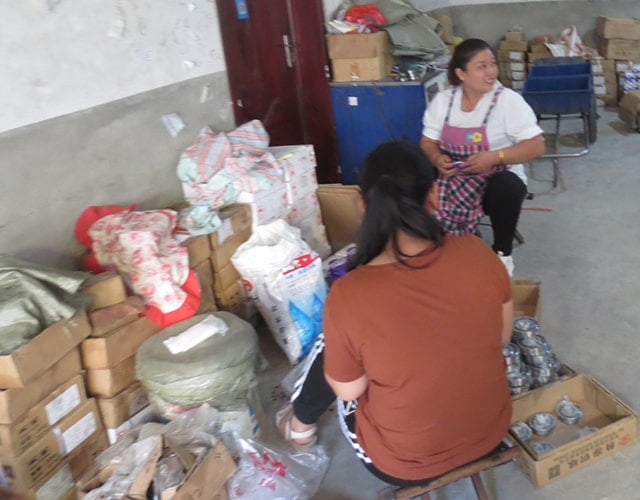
283, 423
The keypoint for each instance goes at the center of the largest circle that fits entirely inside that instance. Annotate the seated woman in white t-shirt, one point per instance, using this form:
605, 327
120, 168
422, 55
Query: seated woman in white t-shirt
478, 134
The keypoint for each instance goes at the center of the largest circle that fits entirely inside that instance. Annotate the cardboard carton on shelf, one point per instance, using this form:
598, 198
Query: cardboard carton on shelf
360, 57
28, 470
107, 319
118, 345
614, 424
105, 289
17, 401
124, 405
23, 433
625, 28
198, 247
32, 359
341, 213
107, 382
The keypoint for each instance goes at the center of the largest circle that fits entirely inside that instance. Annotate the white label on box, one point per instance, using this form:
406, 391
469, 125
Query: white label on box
516, 56
78, 432
57, 486
63, 404
598, 80
517, 84
352, 100
142, 417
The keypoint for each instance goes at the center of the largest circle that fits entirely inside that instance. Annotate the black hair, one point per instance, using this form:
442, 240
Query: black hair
394, 181
462, 54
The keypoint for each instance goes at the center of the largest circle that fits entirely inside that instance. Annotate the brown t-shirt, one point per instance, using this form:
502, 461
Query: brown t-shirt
429, 342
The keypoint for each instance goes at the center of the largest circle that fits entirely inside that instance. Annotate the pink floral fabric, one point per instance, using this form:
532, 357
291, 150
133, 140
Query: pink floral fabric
141, 246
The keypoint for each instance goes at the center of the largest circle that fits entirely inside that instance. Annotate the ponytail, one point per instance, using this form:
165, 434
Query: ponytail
395, 181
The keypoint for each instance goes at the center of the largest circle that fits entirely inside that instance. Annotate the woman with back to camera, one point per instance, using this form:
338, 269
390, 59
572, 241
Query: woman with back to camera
413, 335
478, 134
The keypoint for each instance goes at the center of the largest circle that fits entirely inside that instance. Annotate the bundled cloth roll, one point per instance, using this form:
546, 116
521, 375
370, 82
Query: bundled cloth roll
210, 358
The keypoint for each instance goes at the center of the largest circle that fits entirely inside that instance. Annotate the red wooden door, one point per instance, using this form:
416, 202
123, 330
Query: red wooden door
276, 63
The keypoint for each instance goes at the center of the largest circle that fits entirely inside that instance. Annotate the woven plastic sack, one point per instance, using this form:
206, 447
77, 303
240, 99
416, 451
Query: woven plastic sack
218, 370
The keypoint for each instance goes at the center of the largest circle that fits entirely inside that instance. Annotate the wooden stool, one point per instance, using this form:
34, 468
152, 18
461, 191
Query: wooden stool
472, 469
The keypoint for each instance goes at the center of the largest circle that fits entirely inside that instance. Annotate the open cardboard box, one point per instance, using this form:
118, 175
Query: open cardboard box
617, 428
204, 479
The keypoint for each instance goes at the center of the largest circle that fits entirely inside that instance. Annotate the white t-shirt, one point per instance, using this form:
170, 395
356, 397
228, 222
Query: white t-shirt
512, 120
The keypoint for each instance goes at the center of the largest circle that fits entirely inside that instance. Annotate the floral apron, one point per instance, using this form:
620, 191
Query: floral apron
460, 196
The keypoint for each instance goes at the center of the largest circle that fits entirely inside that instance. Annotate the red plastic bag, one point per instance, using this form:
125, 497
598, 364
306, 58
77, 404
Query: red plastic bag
366, 14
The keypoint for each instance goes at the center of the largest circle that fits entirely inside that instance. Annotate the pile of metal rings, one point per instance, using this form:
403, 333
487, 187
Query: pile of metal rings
529, 357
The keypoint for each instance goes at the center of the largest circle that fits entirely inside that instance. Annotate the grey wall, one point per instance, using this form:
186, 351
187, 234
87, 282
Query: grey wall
116, 153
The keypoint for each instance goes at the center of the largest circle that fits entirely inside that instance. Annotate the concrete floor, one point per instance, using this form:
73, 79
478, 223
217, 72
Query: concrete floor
581, 243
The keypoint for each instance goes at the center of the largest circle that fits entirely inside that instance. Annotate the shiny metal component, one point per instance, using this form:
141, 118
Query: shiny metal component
542, 447
525, 324
568, 412
522, 430
583, 431
510, 350
542, 423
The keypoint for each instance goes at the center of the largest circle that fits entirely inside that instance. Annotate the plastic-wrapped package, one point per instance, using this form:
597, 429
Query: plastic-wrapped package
285, 279
208, 366
267, 474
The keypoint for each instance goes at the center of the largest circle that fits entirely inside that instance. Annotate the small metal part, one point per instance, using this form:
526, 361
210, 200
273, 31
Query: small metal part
526, 324
568, 412
542, 423
542, 447
584, 431
522, 430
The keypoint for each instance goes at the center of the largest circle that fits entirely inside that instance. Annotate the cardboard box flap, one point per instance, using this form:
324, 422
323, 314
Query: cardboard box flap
341, 213
43, 351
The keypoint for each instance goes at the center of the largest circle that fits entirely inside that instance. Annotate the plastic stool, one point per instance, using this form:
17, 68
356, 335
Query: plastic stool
497, 457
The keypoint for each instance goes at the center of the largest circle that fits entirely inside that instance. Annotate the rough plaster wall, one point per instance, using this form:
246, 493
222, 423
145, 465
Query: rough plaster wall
61, 56
116, 153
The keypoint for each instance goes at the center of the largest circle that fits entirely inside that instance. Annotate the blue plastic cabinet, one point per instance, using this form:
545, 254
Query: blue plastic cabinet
370, 113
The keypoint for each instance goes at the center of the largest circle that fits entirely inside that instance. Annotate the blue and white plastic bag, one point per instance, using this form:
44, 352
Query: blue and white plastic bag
284, 277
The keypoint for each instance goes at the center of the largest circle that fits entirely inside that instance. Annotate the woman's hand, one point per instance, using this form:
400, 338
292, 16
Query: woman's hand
444, 164
481, 162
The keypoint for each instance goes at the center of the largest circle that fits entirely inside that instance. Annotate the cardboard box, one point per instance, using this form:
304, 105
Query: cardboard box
295, 160
124, 405
105, 289
269, 205
58, 484
629, 107
515, 36
618, 27
31, 360
109, 318
208, 476
20, 435
118, 345
221, 255
16, 402
617, 428
199, 249
236, 219
513, 45
107, 382
511, 55
618, 49
232, 298
226, 277
341, 213
84, 458
360, 57
527, 300
28, 469
204, 271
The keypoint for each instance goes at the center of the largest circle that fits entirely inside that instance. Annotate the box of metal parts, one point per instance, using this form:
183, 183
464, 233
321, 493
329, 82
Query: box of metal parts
526, 298
577, 422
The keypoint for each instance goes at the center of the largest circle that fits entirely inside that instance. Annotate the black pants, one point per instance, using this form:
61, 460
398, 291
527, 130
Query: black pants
313, 396
502, 202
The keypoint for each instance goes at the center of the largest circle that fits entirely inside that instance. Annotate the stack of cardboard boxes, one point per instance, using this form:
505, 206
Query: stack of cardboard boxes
50, 432
512, 59
618, 40
108, 355
360, 57
605, 84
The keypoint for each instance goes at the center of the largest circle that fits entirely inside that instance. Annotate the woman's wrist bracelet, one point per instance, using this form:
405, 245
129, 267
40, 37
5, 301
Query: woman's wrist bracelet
501, 156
